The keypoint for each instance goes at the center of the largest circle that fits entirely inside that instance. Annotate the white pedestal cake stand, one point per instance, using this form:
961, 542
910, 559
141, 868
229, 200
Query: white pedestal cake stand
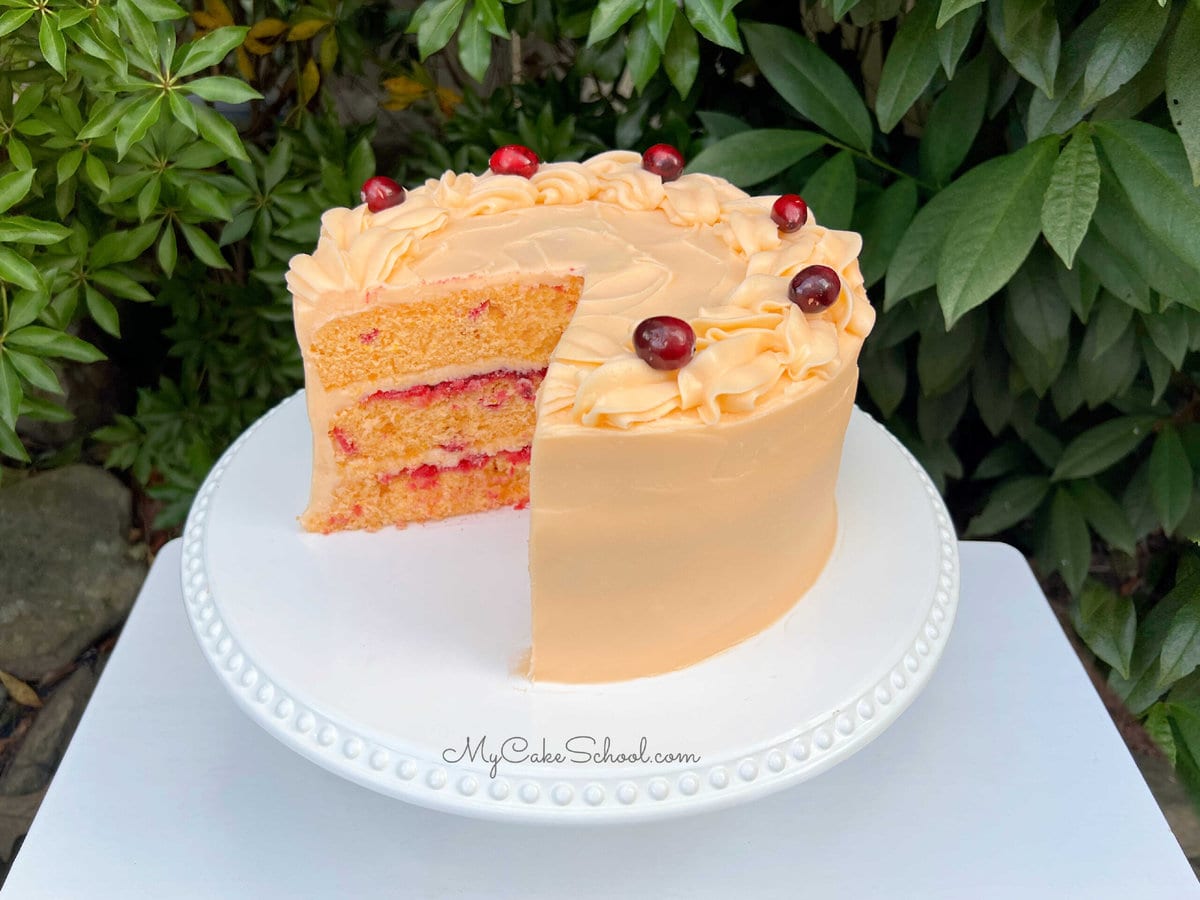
379, 656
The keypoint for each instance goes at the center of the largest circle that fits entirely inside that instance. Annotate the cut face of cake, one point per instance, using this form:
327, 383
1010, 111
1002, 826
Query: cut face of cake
473, 347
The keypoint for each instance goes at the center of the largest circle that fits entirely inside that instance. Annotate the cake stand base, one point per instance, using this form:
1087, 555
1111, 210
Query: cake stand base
389, 658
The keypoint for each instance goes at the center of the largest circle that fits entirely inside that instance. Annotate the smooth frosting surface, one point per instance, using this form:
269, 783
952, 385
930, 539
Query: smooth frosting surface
697, 248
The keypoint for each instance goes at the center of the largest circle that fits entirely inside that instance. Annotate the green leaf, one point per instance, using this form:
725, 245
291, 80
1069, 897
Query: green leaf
438, 26
1071, 197
1040, 365
42, 341
24, 230
1107, 623
10, 444
951, 8
133, 127
148, 198
222, 88
1141, 689
1056, 114
10, 392
1027, 34
18, 270
18, 153
954, 35
1108, 324
105, 117
137, 28
13, 188
681, 58
713, 20
207, 200
812, 83
122, 246
53, 46
1171, 478
1143, 257
937, 417
474, 45
1158, 366
161, 10
44, 410
1068, 547
1115, 272
1169, 330
212, 48
1010, 502
1066, 393
217, 130
839, 8
990, 239
999, 461
989, 390
954, 122
491, 13
943, 357
203, 246
885, 219
1104, 514
609, 16
910, 65
1039, 308
1104, 376
122, 285
14, 19
830, 192
751, 157
167, 252
1180, 653
1123, 48
1153, 171
885, 376
914, 264
102, 311
34, 371
1158, 726
642, 56
68, 163
183, 111
1102, 446
360, 165
661, 16
1183, 85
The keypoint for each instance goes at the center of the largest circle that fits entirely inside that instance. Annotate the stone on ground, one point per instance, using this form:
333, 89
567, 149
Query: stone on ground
67, 573
42, 748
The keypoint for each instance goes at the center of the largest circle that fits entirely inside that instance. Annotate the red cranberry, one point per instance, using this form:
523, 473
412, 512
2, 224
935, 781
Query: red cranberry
814, 288
664, 342
380, 193
664, 161
789, 212
513, 159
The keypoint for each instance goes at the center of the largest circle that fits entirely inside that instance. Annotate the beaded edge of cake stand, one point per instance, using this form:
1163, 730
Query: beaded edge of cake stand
427, 783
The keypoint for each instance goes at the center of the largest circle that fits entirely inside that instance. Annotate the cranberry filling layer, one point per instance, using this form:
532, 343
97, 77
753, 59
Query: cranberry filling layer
524, 384
426, 476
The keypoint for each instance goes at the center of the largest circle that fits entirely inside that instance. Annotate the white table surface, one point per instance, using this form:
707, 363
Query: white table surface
1005, 779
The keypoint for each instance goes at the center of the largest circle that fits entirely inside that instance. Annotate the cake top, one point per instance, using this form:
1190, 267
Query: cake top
767, 324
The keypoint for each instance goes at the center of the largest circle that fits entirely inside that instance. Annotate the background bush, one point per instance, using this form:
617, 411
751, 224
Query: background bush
1024, 174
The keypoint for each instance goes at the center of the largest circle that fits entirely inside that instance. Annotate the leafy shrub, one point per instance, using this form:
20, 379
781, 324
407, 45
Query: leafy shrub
1024, 174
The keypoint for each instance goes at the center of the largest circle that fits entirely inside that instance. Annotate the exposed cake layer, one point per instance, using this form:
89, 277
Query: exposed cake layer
446, 324
392, 429
477, 482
